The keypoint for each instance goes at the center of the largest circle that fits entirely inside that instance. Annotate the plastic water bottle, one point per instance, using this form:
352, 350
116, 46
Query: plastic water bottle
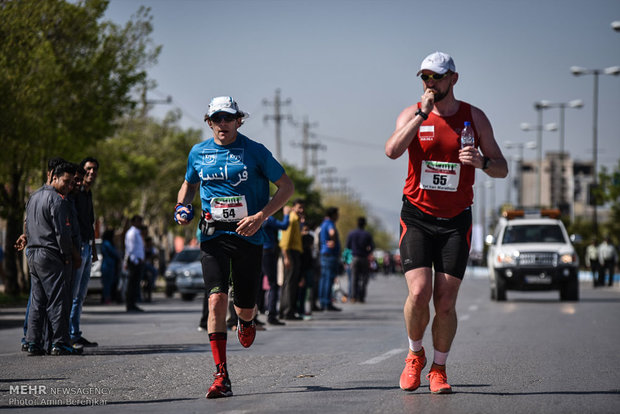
467, 135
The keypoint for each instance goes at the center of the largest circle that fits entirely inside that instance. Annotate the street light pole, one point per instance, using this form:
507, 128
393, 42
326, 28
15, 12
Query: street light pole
519, 179
576, 103
578, 71
539, 107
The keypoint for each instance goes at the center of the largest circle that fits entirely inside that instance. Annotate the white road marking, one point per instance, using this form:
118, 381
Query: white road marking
383, 357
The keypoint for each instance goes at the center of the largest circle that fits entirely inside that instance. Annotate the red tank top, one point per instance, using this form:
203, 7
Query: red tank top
437, 183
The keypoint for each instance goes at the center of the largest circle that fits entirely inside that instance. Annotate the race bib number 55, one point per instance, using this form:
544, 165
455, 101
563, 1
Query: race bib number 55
229, 208
440, 176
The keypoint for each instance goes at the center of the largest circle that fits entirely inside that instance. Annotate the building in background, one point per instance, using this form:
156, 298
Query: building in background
565, 184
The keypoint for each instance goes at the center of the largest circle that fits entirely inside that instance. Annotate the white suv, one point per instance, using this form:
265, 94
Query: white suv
532, 251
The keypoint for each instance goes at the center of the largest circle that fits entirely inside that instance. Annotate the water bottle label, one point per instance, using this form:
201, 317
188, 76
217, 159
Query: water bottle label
467, 142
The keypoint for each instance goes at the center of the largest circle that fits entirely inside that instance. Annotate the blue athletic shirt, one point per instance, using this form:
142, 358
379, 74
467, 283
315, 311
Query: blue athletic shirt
244, 167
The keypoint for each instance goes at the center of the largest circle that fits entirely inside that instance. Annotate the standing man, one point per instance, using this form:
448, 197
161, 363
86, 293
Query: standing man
329, 245
592, 262
436, 214
361, 244
607, 259
271, 253
233, 174
86, 219
50, 244
291, 256
134, 258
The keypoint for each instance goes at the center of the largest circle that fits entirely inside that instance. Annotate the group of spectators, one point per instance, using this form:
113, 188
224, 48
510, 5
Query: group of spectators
311, 261
60, 248
601, 259
59, 239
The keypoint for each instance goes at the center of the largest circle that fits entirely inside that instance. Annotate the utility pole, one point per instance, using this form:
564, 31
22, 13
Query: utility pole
305, 145
330, 178
146, 103
278, 117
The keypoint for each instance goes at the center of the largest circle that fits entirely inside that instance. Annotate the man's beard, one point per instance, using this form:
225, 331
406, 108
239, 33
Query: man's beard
440, 95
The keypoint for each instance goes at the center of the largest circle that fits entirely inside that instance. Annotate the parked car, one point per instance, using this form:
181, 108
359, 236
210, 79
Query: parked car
94, 284
187, 256
189, 281
532, 251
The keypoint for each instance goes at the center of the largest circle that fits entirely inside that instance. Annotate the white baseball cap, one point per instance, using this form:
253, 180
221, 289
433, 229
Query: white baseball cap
224, 104
438, 62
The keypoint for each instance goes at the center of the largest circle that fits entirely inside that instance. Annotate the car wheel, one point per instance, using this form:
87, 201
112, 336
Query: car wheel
569, 291
188, 297
500, 289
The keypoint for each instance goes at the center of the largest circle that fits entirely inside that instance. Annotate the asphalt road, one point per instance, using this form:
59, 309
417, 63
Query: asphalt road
529, 354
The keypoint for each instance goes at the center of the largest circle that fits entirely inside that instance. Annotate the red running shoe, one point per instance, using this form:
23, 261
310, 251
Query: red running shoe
439, 381
246, 334
221, 386
410, 378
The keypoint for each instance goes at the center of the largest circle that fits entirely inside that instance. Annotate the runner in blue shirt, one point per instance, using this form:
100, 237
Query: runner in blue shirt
233, 174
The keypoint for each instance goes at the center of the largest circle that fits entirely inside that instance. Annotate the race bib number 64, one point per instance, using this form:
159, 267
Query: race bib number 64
229, 208
440, 176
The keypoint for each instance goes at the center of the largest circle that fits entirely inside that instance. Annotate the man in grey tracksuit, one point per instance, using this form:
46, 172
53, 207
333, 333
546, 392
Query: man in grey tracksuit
48, 229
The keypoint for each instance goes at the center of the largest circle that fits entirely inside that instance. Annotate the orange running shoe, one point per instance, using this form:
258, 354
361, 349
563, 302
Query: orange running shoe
221, 386
410, 378
439, 381
246, 334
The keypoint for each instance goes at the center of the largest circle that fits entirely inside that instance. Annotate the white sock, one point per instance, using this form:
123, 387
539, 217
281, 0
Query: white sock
415, 346
440, 357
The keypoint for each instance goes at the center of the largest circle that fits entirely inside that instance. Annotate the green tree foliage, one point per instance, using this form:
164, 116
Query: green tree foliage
606, 193
609, 192
142, 169
349, 211
65, 78
304, 189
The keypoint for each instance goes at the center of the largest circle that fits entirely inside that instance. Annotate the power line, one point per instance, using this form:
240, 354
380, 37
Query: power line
351, 142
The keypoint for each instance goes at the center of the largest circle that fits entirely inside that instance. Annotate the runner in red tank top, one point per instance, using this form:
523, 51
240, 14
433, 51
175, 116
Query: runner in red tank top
436, 214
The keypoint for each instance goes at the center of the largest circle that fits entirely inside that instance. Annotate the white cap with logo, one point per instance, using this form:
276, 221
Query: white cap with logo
437, 62
225, 104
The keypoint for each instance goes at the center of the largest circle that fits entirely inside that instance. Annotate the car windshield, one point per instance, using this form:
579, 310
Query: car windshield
187, 256
533, 233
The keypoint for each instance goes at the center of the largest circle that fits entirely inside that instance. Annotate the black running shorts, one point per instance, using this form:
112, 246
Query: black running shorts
228, 259
427, 241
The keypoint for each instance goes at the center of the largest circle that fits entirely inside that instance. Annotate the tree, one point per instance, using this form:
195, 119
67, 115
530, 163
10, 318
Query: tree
141, 170
65, 78
303, 189
609, 192
349, 211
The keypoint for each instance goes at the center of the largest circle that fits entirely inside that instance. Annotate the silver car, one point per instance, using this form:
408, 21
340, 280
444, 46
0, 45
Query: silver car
176, 267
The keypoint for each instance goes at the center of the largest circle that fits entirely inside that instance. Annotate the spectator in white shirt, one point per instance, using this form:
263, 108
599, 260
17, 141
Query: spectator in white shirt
134, 259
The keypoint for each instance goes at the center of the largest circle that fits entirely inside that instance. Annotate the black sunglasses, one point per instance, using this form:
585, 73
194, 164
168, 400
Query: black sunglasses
435, 76
219, 117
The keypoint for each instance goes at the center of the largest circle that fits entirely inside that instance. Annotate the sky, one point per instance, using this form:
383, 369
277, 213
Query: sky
348, 68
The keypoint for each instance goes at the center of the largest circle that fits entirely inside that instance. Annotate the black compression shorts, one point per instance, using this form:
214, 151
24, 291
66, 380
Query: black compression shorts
427, 241
229, 259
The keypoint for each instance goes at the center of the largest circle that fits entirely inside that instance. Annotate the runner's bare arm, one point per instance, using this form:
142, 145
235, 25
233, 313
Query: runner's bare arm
407, 126
185, 196
497, 166
249, 225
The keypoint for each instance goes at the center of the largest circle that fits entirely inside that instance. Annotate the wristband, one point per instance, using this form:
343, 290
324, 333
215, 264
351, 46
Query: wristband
485, 162
422, 114
187, 216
